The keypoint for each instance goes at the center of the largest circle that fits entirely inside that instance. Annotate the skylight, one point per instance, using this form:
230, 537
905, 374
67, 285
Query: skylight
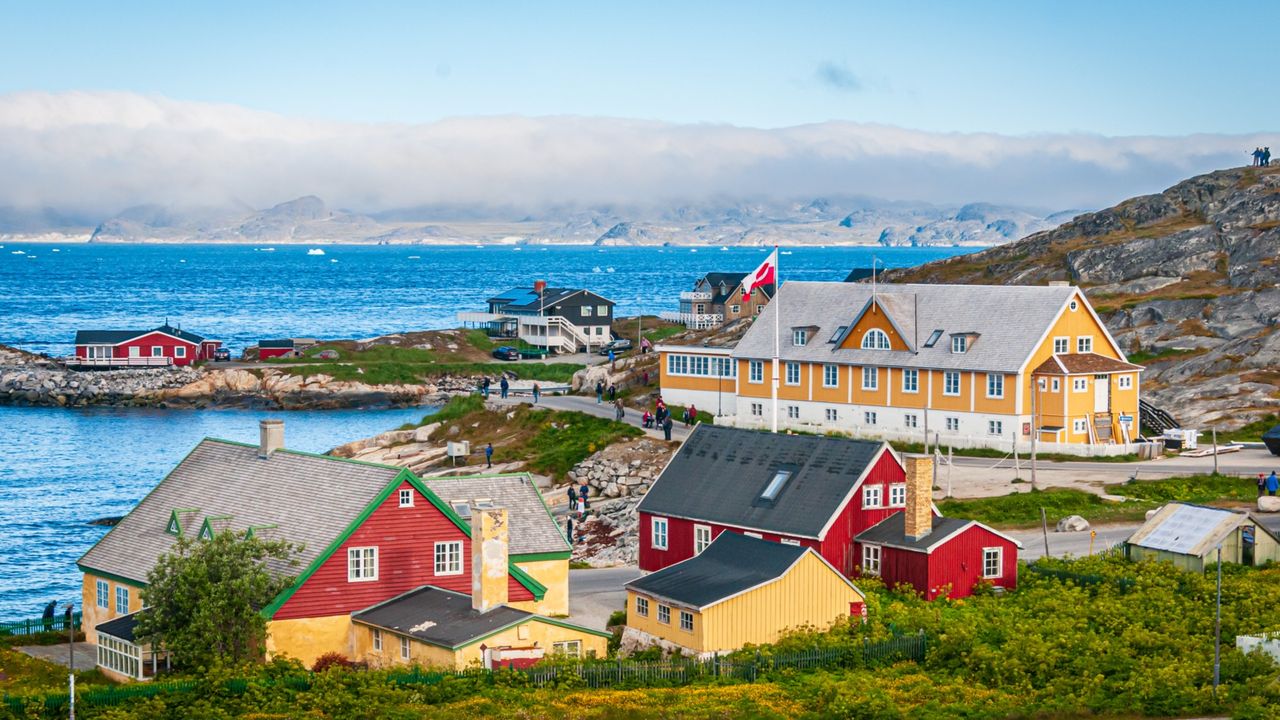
839, 331
775, 485
933, 338
463, 509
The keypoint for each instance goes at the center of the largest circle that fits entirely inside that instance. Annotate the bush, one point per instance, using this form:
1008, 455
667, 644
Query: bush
332, 660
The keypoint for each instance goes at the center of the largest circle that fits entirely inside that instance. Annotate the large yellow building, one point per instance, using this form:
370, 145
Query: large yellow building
739, 590
974, 366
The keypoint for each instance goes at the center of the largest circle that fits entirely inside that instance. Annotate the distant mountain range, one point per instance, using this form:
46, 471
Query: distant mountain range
821, 221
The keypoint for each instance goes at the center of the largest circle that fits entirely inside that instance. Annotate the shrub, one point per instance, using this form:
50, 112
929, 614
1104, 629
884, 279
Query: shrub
332, 660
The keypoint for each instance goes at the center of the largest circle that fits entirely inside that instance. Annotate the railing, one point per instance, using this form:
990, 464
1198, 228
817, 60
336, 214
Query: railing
695, 296
35, 626
567, 337
594, 673
117, 361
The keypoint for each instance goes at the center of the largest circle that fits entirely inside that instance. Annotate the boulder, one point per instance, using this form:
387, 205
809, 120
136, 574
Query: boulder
1073, 523
1268, 504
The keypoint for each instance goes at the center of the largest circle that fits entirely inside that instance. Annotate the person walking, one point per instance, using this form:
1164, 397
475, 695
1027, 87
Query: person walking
666, 428
48, 615
568, 526
613, 392
488, 455
693, 413
484, 387
619, 411
599, 391
504, 386
1262, 484
1273, 483
612, 357
537, 391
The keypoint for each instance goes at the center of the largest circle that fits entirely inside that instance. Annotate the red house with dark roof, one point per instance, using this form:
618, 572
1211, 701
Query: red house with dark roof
805, 490
159, 347
936, 556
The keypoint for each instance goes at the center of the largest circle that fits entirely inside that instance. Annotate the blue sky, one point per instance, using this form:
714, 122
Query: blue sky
1127, 68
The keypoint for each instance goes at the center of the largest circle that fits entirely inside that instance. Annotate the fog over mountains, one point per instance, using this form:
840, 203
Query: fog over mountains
128, 167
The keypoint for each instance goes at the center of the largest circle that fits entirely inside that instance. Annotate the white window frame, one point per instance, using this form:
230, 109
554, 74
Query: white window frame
406, 497
686, 621
1124, 382
1074, 305
586, 311
799, 337
793, 412
792, 366
872, 497
910, 381
1055, 385
875, 339
102, 594
995, 428
1080, 426
830, 375
1084, 344
406, 652
989, 554
1080, 384
179, 351
755, 535
953, 424
602, 310
135, 351
642, 606
362, 564
757, 409
377, 640
658, 538
959, 344
869, 417
447, 558
898, 495
1061, 345
947, 377
157, 351
832, 415
910, 420
995, 386
755, 371
701, 538
871, 557
789, 541
735, 309
870, 380
567, 648
664, 614
122, 600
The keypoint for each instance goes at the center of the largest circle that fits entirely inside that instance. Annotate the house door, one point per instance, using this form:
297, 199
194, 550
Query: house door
1246, 544
135, 351
1101, 393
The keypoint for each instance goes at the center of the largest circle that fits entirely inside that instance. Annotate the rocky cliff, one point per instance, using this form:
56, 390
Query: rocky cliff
1185, 280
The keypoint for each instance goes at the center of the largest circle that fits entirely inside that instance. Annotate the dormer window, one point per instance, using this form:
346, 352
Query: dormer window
875, 339
959, 344
934, 337
799, 336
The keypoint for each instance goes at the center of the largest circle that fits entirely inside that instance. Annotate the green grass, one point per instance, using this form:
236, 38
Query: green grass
406, 366
1024, 451
1023, 509
567, 438
1249, 433
657, 335
677, 415
1143, 357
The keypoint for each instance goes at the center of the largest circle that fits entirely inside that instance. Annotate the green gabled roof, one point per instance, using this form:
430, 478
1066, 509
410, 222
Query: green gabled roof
213, 525
175, 526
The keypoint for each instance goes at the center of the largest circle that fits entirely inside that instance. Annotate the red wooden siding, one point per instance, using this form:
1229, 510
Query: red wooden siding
836, 546
264, 353
405, 538
956, 563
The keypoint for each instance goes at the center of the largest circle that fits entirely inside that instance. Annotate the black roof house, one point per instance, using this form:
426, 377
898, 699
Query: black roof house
115, 337
725, 475
439, 617
730, 565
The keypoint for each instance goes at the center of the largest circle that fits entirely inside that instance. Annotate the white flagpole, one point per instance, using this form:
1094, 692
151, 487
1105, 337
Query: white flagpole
777, 311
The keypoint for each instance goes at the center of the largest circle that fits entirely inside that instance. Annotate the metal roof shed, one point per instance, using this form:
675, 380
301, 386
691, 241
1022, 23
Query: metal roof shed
1189, 535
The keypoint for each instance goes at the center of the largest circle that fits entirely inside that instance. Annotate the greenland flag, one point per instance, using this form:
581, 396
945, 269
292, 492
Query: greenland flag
766, 274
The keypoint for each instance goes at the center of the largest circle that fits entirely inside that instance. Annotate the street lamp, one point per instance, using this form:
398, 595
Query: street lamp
71, 657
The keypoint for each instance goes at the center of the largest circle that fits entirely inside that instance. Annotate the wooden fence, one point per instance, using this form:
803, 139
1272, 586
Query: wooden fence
35, 626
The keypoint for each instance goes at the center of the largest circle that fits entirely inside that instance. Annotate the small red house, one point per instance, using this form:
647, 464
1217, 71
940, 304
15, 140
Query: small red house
812, 491
283, 347
937, 556
163, 346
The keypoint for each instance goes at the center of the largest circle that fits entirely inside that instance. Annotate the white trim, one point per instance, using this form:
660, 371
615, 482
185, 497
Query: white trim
696, 528
435, 562
362, 578
149, 332
999, 562
940, 541
666, 532
875, 459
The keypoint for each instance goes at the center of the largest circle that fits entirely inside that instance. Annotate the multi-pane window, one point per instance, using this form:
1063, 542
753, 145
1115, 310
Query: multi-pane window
875, 340
959, 344
755, 371
793, 373
449, 558
701, 538
793, 412
1080, 426
586, 311
757, 409
951, 383
642, 607
871, 496
567, 648
406, 497
602, 310
910, 420
992, 562
870, 378
362, 564
897, 495
953, 424
1061, 345
122, 600
686, 621
659, 533
1084, 344
910, 381
1124, 382
1054, 385
664, 614
404, 648
1080, 384
995, 427
703, 366
377, 640
830, 376
871, 559
832, 415
102, 594
869, 417
799, 337
995, 385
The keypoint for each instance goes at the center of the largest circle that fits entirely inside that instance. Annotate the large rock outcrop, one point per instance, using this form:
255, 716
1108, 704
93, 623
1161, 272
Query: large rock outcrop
1185, 279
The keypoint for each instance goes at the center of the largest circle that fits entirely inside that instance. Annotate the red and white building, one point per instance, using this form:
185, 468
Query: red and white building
806, 490
160, 347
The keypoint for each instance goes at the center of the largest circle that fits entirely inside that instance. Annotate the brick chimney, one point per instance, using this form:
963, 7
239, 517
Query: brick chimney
489, 552
270, 437
919, 513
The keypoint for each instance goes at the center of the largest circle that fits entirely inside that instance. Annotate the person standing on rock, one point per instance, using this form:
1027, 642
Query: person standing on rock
1273, 483
1266, 157
537, 391
666, 428
488, 455
599, 391
1257, 156
504, 386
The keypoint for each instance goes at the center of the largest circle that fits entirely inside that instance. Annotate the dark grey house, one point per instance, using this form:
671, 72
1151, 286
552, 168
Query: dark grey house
558, 319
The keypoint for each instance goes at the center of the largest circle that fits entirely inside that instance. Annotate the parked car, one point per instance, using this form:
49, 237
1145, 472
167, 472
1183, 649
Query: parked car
616, 346
506, 352
222, 355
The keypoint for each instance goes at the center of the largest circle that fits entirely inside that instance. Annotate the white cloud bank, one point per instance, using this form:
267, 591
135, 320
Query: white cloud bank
99, 152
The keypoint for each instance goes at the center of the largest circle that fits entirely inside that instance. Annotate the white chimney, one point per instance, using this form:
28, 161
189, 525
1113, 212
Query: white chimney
270, 437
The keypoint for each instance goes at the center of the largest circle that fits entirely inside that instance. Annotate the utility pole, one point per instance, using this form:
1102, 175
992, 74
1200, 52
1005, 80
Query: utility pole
1044, 524
1215, 456
1035, 428
71, 657
1217, 630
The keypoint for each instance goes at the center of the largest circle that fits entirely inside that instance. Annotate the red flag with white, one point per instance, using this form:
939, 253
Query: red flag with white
766, 274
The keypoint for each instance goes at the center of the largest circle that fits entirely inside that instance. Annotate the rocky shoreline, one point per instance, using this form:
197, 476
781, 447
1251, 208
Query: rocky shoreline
31, 380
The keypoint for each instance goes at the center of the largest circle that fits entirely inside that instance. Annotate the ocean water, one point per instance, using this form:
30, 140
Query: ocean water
62, 468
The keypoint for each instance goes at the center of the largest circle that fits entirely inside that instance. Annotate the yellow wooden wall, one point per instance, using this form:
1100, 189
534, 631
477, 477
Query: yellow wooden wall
554, 574
92, 615
306, 639
530, 633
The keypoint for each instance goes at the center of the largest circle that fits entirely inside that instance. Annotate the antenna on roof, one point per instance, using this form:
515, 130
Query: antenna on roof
874, 260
